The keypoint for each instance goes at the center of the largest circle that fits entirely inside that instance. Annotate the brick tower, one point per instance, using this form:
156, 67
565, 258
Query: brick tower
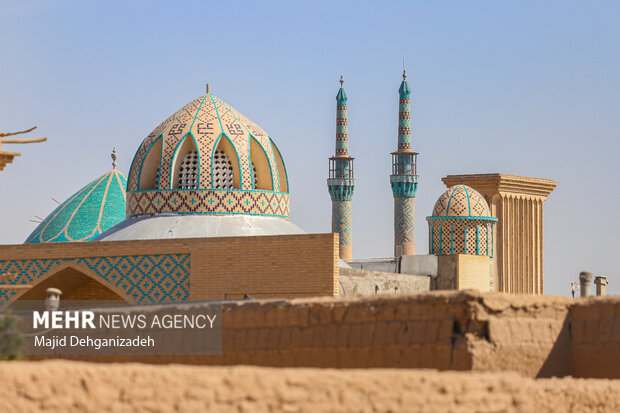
404, 178
341, 181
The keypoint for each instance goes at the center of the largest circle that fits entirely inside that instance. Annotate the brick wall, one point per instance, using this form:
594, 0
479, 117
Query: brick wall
463, 272
227, 267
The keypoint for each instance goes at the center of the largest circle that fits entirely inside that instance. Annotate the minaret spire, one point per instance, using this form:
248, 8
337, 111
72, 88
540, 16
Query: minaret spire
342, 138
341, 182
404, 178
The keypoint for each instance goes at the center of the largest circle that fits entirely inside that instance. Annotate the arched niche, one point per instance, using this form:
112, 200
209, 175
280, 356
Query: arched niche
263, 178
282, 175
75, 286
186, 165
150, 169
225, 162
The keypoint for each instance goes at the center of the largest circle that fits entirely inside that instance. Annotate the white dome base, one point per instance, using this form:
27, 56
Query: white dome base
165, 226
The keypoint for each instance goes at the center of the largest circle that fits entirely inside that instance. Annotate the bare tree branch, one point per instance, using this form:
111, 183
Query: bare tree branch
43, 139
2, 135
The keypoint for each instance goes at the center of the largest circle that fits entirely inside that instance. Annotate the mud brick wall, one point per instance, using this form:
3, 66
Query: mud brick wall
439, 330
62, 386
595, 337
535, 336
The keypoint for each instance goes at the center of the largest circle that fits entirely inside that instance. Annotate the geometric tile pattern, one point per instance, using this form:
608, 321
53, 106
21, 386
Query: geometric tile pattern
86, 214
145, 278
461, 201
404, 116
132, 182
448, 236
212, 202
404, 128
403, 220
342, 140
341, 221
261, 137
207, 120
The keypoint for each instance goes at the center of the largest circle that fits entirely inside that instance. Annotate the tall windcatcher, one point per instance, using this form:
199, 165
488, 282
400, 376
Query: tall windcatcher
404, 178
341, 181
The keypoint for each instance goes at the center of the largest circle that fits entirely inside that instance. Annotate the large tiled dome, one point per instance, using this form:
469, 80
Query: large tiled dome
86, 214
206, 171
207, 158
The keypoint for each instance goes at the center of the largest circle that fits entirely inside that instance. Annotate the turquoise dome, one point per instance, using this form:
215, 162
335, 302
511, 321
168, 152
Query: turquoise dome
92, 210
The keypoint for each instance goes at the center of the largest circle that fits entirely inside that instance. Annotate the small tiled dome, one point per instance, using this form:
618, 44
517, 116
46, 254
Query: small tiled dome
86, 214
461, 201
461, 223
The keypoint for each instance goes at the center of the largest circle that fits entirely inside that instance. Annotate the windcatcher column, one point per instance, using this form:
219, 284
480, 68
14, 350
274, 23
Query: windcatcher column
404, 178
341, 182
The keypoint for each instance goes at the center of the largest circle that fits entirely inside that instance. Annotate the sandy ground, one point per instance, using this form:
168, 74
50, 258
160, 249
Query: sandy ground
64, 386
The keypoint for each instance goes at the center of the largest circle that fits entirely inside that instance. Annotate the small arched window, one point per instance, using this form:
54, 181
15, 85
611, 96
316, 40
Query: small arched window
188, 173
222, 170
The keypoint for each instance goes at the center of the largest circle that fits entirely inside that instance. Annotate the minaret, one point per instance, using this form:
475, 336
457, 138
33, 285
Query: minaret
341, 182
404, 178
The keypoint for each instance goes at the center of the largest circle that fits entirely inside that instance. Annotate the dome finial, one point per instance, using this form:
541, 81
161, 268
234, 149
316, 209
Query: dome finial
341, 80
114, 156
404, 75
208, 89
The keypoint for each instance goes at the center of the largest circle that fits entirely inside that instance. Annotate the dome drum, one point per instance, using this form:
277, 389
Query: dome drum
451, 235
209, 202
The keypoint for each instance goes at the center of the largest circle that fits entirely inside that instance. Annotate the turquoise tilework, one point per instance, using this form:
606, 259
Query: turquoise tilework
145, 278
85, 215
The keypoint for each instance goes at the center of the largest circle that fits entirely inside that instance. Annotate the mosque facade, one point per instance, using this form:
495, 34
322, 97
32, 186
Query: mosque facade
204, 215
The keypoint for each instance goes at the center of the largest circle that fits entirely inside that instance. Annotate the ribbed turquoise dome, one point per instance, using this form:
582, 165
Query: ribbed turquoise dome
92, 210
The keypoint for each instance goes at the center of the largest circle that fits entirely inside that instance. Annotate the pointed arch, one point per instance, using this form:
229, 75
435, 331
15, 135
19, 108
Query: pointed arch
186, 147
260, 162
76, 283
226, 146
148, 177
282, 174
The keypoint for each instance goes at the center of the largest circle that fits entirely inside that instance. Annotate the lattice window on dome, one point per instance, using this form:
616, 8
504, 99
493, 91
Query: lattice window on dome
471, 238
223, 177
459, 237
483, 239
254, 175
188, 173
445, 234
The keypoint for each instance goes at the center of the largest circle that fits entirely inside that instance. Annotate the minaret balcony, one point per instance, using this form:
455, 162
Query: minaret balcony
341, 181
404, 178
404, 186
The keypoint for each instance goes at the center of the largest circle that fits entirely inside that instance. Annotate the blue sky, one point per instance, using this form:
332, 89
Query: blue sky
528, 88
